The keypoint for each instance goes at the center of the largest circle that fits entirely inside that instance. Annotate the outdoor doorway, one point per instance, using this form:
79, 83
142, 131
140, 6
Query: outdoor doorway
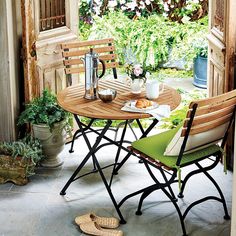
166, 37
152, 39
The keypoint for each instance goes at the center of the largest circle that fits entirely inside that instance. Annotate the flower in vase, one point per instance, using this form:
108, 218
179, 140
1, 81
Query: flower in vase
136, 71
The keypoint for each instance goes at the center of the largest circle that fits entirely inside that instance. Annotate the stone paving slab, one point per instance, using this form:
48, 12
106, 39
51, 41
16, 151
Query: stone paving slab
37, 209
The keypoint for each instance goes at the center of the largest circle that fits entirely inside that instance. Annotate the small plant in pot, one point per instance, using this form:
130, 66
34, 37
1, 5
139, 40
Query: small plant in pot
50, 124
194, 52
18, 160
200, 64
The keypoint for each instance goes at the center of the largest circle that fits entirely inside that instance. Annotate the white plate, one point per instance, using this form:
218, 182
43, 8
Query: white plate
131, 105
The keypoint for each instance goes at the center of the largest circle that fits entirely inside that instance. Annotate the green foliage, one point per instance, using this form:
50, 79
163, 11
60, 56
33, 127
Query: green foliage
85, 19
28, 148
151, 38
193, 42
179, 114
174, 73
44, 110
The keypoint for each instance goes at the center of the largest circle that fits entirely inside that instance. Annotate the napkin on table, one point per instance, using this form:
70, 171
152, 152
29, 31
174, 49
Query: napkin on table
161, 111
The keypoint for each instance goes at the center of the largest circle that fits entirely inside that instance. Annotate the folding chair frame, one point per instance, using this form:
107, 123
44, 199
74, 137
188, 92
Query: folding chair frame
173, 176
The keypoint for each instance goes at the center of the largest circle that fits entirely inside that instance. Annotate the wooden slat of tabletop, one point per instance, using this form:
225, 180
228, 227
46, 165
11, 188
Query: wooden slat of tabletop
72, 100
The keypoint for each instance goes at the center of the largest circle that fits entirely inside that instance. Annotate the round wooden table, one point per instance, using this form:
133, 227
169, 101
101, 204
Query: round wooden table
72, 100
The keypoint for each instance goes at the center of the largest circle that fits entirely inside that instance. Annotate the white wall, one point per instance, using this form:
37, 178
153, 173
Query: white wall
9, 68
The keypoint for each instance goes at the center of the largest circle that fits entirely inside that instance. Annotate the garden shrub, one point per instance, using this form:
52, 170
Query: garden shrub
151, 38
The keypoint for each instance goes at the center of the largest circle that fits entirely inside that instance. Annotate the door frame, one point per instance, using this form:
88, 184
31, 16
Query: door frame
31, 34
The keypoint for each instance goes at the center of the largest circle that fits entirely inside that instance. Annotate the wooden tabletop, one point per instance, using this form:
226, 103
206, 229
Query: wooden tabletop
72, 100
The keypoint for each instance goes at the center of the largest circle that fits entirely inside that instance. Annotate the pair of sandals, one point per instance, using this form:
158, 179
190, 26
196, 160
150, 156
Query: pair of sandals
101, 226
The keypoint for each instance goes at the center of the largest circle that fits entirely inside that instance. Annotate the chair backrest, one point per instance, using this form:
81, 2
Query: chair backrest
207, 122
211, 117
210, 113
73, 51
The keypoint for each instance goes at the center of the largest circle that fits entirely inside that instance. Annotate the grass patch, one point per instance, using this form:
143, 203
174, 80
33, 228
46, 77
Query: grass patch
174, 73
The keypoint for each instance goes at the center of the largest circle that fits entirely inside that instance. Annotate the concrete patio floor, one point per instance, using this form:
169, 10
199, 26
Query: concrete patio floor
37, 209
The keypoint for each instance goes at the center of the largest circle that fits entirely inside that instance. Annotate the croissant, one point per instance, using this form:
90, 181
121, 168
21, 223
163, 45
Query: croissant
143, 103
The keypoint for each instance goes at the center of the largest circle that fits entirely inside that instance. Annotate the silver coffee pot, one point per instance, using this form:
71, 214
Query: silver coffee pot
91, 61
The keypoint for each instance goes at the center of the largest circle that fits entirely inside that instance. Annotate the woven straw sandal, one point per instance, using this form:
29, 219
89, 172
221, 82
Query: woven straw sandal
106, 222
92, 228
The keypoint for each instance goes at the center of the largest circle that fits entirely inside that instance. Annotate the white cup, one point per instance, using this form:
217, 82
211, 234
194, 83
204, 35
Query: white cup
152, 89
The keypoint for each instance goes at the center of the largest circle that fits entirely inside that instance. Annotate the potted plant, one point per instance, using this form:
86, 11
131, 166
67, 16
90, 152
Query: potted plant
194, 53
50, 123
18, 160
200, 65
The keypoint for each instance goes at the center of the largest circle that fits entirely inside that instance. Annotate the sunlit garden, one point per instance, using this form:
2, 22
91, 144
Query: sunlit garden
164, 36
151, 32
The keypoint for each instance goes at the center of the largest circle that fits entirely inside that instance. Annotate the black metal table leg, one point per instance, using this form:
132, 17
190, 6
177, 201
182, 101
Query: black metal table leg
144, 134
118, 151
90, 153
96, 163
77, 132
122, 220
71, 179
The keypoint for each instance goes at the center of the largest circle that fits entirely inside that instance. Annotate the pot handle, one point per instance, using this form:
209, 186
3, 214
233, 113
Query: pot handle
103, 68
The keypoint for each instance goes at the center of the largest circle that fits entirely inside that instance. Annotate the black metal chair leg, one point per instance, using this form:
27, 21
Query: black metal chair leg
181, 218
226, 216
188, 176
168, 186
143, 196
194, 172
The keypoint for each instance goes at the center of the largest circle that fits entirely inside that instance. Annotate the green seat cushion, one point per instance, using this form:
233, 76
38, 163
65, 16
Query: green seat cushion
155, 146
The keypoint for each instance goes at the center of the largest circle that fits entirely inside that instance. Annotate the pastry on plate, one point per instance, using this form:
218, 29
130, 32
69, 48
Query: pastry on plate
143, 103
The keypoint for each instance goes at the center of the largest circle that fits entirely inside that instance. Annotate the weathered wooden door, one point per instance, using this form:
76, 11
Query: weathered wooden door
221, 59
46, 24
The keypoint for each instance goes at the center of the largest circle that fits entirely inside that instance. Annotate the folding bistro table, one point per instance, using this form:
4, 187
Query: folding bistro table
72, 100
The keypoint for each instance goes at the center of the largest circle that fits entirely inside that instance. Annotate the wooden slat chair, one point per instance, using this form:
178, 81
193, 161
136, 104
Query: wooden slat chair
73, 51
201, 136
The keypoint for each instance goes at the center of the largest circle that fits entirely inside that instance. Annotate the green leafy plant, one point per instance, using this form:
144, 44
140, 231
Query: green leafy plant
193, 42
179, 114
44, 110
28, 148
152, 39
